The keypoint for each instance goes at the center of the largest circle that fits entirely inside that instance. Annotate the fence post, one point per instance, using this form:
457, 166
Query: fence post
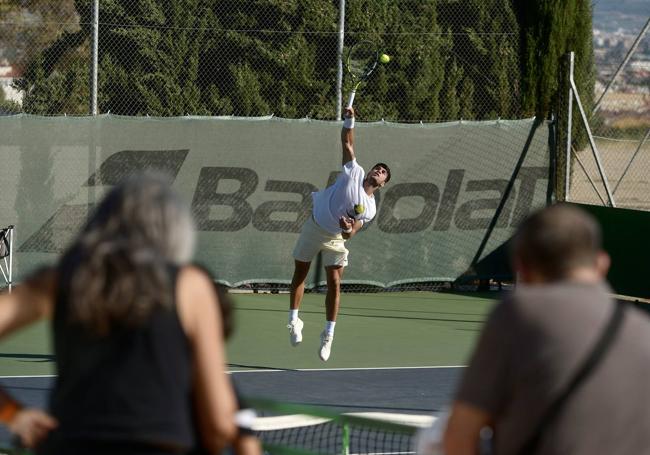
11, 257
592, 143
567, 170
339, 59
93, 69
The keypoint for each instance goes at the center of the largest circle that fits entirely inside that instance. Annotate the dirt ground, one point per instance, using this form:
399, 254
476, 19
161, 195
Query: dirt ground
627, 168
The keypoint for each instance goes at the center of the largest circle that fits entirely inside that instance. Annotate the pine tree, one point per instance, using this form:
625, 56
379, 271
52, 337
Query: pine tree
450, 97
471, 59
485, 42
409, 88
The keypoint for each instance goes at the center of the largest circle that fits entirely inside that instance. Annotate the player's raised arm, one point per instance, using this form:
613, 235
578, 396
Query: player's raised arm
347, 136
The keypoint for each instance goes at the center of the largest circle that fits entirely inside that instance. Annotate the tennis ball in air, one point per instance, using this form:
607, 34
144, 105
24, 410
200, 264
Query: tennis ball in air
384, 58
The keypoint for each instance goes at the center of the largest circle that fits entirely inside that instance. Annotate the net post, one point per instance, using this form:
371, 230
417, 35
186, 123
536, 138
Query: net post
345, 449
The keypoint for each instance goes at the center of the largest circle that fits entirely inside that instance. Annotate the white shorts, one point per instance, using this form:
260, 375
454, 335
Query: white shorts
313, 239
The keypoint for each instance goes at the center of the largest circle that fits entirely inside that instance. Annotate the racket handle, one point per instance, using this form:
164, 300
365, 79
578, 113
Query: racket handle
351, 99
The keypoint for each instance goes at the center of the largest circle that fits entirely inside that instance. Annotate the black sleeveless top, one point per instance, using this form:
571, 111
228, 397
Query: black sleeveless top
130, 387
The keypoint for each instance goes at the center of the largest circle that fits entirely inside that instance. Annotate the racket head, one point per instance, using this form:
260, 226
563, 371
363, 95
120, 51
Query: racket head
362, 59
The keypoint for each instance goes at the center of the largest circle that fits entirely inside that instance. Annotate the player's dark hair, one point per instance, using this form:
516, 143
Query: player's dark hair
118, 269
385, 166
556, 240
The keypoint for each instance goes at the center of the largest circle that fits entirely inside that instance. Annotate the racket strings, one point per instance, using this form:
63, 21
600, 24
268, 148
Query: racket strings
362, 60
360, 67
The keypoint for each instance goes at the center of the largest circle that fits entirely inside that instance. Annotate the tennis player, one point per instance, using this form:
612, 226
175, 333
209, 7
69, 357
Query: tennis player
339, 211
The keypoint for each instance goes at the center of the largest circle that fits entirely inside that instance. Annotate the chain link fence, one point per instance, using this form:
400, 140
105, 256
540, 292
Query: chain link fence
450, 60
619, 118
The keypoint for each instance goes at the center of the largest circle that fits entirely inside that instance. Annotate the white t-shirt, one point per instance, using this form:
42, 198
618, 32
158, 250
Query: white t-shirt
346, 197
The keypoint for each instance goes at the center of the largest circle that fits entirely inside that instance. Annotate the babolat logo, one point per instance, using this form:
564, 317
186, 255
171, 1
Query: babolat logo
454, 203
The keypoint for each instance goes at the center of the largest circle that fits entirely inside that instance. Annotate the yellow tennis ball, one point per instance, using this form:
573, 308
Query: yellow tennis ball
384, 58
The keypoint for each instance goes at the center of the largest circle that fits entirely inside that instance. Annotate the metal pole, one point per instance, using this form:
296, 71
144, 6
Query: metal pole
593, 144
11, 256
339, 58
567, 176
622, 65
95, 51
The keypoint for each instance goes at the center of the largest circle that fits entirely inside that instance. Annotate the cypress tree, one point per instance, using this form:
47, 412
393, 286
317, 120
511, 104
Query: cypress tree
549, 30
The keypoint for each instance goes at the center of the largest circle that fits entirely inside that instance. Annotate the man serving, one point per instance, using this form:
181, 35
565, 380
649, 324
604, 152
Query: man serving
339, 211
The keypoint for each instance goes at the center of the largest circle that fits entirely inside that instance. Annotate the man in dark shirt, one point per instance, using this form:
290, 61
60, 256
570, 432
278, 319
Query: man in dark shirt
539, 336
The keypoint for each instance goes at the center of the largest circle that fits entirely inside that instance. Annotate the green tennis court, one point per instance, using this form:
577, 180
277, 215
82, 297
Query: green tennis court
374, 330
383, 341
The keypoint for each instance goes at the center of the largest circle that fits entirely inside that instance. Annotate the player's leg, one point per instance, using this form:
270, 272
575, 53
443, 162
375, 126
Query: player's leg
306, 248
333, 298
335, 258
300, 271
334, 275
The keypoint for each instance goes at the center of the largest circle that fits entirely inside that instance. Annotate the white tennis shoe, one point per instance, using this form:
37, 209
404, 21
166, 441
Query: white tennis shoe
325, 346
295, 331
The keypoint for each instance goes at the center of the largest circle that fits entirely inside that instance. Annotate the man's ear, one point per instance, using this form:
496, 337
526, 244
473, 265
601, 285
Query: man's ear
523, 274
603, 262
517, 268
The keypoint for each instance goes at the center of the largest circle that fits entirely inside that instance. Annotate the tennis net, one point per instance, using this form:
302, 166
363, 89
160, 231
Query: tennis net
309, 430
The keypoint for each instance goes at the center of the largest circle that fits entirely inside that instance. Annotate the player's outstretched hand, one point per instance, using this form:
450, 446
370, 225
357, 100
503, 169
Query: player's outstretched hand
32, 426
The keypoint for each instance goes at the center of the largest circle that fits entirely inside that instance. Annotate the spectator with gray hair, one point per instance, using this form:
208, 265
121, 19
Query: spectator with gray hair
137, 335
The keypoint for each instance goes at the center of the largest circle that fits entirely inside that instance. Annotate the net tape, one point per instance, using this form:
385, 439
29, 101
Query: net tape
330, 433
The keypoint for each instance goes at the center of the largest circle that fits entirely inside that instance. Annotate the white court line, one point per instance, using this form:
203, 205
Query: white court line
264, 370
348, 369
30, 376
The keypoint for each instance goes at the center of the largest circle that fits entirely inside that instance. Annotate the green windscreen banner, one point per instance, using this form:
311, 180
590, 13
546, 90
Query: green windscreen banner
625, 233
457, 191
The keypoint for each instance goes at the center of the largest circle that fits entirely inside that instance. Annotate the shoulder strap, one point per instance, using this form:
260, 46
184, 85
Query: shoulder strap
596, 354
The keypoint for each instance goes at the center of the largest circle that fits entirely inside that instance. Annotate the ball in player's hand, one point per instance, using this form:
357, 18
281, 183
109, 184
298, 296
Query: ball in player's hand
384, 58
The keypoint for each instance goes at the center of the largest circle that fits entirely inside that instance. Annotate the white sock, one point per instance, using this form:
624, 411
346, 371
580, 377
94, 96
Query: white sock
329, 327
293, 315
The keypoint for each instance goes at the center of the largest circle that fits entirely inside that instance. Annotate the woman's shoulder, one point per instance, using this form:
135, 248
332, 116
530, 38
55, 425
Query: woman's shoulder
195, 295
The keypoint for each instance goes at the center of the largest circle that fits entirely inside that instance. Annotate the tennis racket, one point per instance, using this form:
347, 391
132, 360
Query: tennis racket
361, 62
